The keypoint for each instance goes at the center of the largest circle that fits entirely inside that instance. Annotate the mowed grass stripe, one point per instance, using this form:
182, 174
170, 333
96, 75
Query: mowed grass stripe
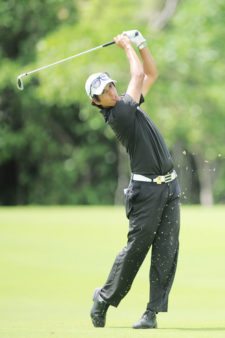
52, 258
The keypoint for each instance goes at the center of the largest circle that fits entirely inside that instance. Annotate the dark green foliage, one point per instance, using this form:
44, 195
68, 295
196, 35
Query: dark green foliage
24, 22
54, 147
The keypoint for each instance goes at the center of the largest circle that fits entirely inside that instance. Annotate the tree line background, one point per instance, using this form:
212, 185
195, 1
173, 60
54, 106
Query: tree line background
55, 147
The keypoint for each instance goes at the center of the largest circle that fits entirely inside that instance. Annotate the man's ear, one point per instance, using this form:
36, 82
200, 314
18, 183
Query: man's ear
95, 100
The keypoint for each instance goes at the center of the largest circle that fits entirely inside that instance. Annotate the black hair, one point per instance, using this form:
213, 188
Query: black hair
96, 98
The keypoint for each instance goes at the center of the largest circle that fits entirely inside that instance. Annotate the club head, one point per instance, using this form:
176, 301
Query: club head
20, 85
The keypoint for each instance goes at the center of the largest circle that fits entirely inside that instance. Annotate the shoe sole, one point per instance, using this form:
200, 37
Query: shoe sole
146, 327
96, 321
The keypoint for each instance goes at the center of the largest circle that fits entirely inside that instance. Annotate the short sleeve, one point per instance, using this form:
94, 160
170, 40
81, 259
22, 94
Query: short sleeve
142, 100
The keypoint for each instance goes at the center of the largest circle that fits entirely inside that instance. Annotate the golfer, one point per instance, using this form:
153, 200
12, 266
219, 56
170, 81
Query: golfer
152, 197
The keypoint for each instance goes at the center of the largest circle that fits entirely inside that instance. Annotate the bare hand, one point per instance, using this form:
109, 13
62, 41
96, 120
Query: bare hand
122, 41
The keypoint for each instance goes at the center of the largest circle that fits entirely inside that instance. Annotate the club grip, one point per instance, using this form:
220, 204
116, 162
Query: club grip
108, 44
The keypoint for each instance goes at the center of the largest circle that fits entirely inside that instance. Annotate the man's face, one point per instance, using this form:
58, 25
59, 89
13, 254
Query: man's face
109, 97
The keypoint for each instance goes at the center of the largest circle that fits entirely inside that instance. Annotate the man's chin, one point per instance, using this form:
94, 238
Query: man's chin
111, 104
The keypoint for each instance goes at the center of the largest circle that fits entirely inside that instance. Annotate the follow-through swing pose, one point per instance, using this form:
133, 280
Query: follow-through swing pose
152, 198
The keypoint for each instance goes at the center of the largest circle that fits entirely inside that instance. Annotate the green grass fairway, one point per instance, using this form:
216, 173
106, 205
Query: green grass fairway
52, 258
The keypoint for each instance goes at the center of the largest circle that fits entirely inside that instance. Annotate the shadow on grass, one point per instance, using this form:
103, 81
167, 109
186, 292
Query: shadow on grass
195, 328
174, 328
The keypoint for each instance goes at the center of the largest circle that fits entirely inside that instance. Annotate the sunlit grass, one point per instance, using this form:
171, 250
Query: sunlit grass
52, 258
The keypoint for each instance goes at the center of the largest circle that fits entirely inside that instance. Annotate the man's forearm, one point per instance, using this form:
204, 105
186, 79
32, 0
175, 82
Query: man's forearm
136, 66
150, 70
149, 65
135, 85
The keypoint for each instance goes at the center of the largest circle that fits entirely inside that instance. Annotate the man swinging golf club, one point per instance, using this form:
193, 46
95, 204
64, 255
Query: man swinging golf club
152, 197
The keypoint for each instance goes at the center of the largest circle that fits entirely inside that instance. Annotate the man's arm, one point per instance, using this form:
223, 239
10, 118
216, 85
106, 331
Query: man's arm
150, 70
149, 65
136, 83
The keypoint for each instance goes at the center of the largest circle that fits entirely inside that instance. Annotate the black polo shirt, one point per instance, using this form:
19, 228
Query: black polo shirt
145, 145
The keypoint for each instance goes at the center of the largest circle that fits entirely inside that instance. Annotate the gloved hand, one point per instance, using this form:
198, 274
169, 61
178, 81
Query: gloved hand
136, 37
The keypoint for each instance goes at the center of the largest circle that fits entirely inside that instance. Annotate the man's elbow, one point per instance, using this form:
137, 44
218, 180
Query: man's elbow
148, 82
152, 78
154, 75
140, 76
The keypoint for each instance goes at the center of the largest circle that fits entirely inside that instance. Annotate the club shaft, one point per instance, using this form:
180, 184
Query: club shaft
66, 59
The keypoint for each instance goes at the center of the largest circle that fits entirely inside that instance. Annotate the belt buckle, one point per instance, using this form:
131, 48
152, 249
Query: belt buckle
168, 178
159, 180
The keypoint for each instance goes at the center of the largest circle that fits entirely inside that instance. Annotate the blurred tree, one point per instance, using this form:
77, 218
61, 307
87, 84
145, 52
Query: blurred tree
54, 146
114, 18
23, 23
191, 89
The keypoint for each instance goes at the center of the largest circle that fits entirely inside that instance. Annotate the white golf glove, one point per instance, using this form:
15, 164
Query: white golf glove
137, 38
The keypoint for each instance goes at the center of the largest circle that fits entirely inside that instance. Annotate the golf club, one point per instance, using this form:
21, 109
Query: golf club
20, 77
